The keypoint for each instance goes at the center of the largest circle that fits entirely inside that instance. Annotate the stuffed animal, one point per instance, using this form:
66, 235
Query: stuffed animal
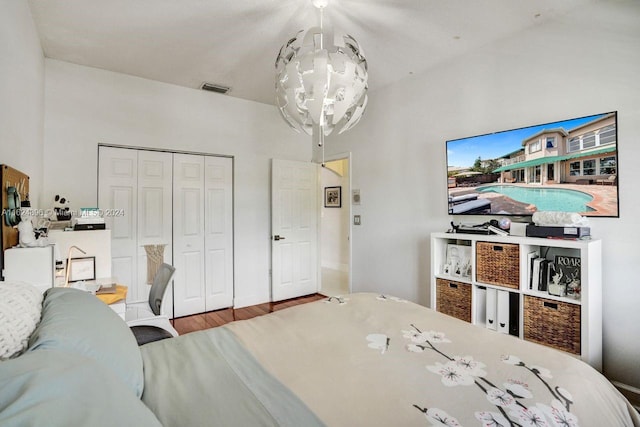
61, 208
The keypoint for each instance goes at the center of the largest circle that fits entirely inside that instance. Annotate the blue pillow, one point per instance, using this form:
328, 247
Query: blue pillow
57, 388
75, 321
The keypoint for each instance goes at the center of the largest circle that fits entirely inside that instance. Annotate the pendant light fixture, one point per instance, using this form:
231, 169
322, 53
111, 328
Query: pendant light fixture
321, 81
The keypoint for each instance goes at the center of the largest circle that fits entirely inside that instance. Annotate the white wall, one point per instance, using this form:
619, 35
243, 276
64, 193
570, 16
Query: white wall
22, 93
399, 154
334, 222
86, 106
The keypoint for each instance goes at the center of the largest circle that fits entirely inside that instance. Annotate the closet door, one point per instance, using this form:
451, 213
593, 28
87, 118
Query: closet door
117, 197
154, 220
218, 241
188, 234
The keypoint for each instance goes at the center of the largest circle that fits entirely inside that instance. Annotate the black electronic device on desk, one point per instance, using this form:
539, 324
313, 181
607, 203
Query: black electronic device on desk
469, 229
559, 232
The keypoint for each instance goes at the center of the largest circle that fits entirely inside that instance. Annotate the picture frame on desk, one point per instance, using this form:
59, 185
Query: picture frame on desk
458, 262
81, 268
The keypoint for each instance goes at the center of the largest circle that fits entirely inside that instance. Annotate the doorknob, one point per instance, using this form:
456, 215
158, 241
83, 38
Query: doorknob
278, 237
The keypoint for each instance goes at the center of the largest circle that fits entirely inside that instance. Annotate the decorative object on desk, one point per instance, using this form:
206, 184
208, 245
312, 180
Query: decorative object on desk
61, 208
26, 235
333, 197
569, 269
81, 268
155, 258
504, 223
555, 286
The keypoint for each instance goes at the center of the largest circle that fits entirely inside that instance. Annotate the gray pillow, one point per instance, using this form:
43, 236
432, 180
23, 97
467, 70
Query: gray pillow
57, 388
75, 321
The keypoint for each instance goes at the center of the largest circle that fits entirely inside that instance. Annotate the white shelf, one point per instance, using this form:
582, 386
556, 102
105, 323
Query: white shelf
590, 302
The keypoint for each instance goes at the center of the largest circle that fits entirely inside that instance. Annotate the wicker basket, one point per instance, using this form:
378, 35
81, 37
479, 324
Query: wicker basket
552, 323
498, 264
454, 299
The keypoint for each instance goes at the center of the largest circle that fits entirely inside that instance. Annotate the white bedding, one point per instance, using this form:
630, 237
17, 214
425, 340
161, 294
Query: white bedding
379, 361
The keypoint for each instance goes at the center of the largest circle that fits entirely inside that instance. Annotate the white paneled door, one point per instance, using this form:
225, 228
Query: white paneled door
218, 228
118, 190
294, 225
188, 234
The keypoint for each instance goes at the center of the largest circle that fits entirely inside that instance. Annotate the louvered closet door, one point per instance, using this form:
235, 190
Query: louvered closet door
218, 232
117, 191
188, 234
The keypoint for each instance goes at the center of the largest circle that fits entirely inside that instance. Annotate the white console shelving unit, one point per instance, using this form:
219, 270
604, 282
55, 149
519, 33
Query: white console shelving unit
589, 305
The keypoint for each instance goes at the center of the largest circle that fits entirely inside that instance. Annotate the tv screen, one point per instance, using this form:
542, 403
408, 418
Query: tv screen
565, 166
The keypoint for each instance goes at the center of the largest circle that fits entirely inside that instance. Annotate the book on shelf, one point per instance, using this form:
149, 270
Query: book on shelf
543, 279
535, 273
530, 257
540, 274
567, 272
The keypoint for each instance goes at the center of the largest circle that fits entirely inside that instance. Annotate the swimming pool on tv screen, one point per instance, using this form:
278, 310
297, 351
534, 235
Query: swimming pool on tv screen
545, 199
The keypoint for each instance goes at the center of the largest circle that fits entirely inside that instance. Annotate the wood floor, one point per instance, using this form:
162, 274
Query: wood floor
212, 319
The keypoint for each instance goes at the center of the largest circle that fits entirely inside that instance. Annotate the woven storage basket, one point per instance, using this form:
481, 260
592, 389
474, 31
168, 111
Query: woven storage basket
552, 323
498, 264
454, 299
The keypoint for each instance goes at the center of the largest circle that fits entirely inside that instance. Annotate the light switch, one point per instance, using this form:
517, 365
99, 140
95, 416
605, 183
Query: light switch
356, 220
356, 197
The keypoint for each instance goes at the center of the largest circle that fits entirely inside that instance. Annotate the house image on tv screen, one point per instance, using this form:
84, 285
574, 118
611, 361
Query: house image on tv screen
580, 155
567, 166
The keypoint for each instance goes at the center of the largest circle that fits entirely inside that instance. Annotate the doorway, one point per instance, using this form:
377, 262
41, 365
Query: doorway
335, 227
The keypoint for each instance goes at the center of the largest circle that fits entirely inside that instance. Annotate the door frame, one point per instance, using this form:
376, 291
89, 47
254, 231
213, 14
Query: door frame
347, 202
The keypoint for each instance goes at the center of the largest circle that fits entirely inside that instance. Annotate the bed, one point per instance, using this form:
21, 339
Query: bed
362, 359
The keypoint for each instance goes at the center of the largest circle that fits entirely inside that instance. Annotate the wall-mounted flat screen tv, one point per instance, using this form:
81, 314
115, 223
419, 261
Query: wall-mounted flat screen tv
565, 166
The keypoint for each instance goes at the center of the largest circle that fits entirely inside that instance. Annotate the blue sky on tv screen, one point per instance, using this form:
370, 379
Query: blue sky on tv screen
464, 152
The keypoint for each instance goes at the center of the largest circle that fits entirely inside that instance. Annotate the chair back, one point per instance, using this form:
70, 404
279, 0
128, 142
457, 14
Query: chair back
159, 287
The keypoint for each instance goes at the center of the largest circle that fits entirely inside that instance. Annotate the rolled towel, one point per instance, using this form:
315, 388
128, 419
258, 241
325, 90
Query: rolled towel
559, 219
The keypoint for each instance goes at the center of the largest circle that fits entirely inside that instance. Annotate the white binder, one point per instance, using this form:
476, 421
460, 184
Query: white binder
481, 306
503, 312
492, 301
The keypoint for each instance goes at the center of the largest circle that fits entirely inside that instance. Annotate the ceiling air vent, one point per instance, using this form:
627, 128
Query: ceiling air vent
211, 87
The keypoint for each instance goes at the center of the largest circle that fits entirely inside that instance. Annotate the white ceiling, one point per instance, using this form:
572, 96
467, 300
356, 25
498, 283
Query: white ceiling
235, 42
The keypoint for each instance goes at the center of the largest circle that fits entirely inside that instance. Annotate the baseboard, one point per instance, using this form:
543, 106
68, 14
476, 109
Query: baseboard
631, 393
249, 300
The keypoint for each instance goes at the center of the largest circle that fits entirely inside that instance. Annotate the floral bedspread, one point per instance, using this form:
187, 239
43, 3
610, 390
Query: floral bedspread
377, 360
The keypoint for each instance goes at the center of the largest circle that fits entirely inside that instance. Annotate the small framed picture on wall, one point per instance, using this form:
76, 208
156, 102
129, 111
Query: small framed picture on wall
332, 197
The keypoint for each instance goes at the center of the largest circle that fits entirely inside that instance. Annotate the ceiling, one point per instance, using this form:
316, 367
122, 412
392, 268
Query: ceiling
235, 42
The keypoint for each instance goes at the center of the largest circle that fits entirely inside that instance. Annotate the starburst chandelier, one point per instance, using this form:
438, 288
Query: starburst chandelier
321, 81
